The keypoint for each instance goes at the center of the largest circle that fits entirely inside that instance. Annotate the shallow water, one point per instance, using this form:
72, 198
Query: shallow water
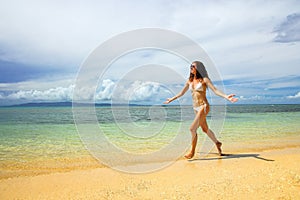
33, 137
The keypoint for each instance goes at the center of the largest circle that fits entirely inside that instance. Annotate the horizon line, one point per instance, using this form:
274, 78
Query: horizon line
70, 104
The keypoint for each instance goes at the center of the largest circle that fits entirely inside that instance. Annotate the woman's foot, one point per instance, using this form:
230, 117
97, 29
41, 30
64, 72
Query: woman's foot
219, 144
189, 156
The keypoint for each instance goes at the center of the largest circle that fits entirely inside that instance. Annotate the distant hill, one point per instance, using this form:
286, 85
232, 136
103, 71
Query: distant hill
43, 104
67, 104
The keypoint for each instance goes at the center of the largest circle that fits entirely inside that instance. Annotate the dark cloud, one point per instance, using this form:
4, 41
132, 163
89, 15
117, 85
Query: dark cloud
289, 30
12, 72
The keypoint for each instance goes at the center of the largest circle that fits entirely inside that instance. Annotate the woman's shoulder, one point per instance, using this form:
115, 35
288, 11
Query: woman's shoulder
206, 79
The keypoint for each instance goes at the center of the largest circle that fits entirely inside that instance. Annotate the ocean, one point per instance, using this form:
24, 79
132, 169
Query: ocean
43, 139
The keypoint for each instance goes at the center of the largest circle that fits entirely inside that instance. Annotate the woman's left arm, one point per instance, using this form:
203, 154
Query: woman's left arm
230, 97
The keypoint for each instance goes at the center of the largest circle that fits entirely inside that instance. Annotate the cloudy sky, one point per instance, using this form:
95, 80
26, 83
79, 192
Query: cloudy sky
254, 45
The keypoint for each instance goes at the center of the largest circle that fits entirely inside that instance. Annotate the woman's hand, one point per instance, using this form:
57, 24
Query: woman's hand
168, 101
181, 93
231, 98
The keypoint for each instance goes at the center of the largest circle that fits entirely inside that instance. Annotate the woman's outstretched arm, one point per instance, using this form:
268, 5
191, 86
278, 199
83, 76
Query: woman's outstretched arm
218, 92
181, 93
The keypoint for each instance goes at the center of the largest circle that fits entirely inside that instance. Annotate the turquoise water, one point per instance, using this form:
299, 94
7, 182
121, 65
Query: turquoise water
31, 134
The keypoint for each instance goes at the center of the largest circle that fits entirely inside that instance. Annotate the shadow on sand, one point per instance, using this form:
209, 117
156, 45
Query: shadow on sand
233, 156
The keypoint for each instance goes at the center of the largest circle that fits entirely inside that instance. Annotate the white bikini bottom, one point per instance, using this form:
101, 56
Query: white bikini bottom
200, 107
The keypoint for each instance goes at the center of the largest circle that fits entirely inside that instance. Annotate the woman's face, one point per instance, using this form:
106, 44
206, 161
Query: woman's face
193, 68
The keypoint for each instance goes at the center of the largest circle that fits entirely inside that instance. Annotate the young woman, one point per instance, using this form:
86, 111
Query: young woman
197, 83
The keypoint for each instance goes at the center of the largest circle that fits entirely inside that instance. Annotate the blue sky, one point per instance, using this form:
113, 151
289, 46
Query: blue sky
254, 45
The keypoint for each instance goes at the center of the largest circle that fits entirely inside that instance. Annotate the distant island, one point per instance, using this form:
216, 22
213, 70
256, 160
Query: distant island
68, 104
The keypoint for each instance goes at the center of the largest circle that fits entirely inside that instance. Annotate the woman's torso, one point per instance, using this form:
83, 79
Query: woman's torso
198, 89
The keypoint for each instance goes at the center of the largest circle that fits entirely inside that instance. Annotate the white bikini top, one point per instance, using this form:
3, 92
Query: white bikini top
198, 87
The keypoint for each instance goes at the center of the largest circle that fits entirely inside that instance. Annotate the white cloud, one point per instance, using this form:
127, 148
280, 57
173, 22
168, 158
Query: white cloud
62, 33
50, 33
252, 98
296, 96
238, 36
143, 91
137, 91
53, 94
106, 90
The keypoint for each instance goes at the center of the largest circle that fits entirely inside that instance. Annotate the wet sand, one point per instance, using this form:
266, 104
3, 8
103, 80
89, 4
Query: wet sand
271, 174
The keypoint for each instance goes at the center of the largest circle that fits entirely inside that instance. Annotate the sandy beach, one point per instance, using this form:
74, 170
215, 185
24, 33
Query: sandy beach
42, 157
272, 174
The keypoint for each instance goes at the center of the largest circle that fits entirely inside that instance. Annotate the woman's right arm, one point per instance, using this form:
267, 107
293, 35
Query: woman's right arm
181, 93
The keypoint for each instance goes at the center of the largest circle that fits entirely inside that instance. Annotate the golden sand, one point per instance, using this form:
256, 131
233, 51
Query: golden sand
272, 174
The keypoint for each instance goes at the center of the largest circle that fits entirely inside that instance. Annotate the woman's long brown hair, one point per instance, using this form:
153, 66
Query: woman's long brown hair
200, 71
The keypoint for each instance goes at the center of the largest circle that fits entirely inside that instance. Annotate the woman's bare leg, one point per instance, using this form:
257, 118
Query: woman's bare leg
212, 136
193, 128
210, 133
194, 144
200, 119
